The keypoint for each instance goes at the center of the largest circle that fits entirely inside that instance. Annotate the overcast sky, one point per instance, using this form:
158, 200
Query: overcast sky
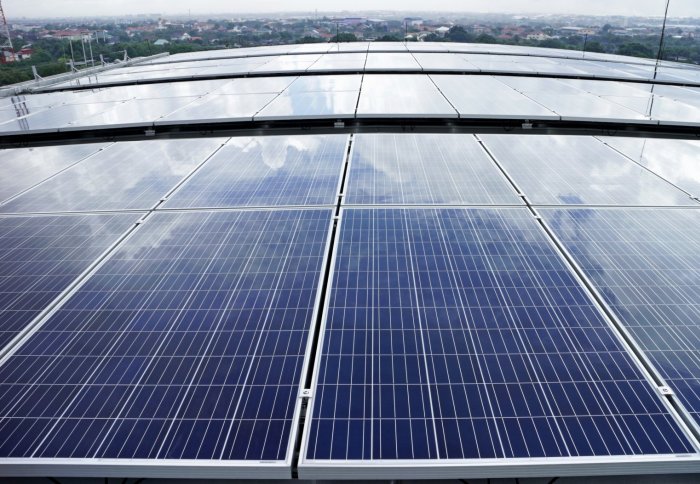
64, 8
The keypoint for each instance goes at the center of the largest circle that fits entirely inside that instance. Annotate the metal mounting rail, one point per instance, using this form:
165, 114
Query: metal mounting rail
187, 129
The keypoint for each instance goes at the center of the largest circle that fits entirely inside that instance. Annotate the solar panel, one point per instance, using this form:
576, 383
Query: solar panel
578, 170
129, 175
424, 169
41, 256
267, 171
460, 335
188, 343
24, 167
646, 265
673, 160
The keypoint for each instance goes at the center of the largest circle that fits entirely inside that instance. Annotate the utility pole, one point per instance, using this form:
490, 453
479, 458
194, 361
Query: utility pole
5, 40
585, 39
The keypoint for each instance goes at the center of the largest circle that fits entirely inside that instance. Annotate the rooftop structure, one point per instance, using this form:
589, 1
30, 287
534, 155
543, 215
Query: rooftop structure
353, 261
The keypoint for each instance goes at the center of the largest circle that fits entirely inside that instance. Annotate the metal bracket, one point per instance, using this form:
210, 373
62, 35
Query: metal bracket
666, 391
339, 124
527, 125
149, 132
306, 393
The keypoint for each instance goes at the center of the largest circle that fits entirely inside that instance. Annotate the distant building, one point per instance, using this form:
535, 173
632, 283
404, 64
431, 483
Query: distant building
160, 42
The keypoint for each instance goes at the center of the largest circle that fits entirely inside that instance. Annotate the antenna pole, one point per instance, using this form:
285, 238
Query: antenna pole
5, 40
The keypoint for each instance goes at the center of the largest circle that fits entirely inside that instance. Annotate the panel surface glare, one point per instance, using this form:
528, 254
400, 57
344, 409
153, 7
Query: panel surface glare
267, 171
424, 169
188, 343
42, 256
578, 170
461, 334
24, 167
646, 265
128, 175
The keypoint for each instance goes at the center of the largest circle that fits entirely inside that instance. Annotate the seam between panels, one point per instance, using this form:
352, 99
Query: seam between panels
314, 350
676, 409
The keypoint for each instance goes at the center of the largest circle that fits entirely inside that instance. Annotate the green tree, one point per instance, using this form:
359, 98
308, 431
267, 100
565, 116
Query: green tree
344, 37
635, 49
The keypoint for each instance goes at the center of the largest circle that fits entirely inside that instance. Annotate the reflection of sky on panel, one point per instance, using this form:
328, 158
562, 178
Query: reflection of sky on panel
350, 61
311, 105
678, 161
267, 171
397, 95
645, 263
220, 107
41, 256
330, 83
424, 169
23, 167
57, 117
393, 61
565, 170
128, 175
257, 85
136, 111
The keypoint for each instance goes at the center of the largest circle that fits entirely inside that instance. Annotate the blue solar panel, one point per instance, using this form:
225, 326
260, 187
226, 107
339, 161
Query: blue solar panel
187, 343
42, 256
578, 170
646, 265
130, 175
425, 169
461, 334
268, 171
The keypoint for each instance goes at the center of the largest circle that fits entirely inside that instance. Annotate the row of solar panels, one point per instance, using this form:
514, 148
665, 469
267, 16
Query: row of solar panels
243, 62
172, 336
350, 96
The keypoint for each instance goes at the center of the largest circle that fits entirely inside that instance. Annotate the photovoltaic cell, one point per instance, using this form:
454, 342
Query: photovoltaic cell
267, 171
578, 170
42, 256
646, 265
460, 334
424, 169
129, 175
187, 343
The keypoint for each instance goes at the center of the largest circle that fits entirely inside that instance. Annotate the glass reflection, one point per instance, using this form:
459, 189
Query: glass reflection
129, 175
646, 265
560, 170
424, 169
267, 171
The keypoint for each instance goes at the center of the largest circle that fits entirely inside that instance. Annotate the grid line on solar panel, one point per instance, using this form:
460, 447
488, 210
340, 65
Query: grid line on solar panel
461, 334
267, 171
187, 343
40, 257
124, 176
409, 169
644, 264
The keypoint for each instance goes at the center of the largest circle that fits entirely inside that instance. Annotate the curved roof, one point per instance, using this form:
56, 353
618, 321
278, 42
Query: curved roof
355, 261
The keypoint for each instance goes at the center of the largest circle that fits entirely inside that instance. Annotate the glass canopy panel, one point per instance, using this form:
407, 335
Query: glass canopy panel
399, 95
291, 63
220, 107
41, 256
334, 62
578, 170
388, 46
454, 335
311, 105
57, 117
328, 83
444, 62
484, 97
125, 176
424, 169
391, 61
256, 85
267, 171
23, 168
677, 161
135, 112
645, 263
187, 343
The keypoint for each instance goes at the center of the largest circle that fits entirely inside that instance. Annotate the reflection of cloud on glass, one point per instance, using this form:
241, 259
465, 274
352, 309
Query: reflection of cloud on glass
678, 161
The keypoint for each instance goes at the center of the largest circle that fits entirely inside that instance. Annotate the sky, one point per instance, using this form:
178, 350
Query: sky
87, 8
